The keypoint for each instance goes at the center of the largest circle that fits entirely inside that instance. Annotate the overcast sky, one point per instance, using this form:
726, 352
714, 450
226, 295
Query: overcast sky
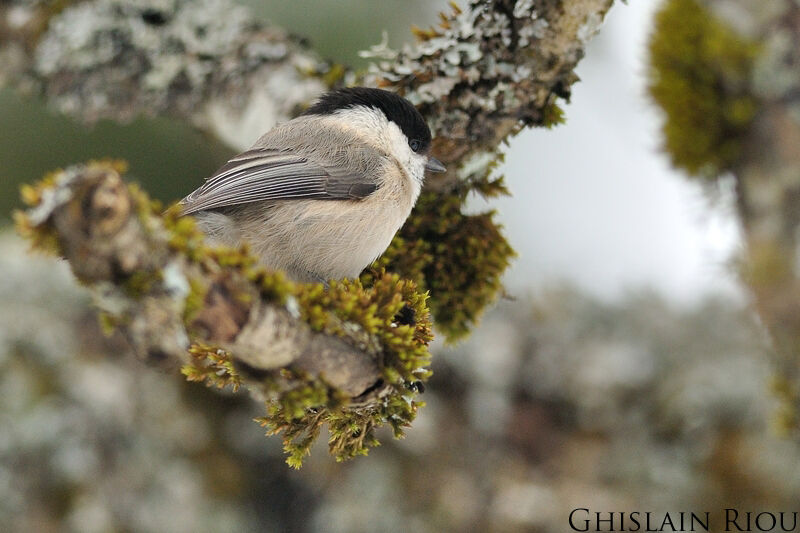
595, 202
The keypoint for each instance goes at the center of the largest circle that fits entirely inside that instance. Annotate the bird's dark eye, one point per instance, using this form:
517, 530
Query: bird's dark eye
415, 144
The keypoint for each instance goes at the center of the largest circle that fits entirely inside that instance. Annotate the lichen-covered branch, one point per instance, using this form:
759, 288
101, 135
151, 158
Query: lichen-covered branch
350, 355
488, 71
485, 72
727, 74
205, 61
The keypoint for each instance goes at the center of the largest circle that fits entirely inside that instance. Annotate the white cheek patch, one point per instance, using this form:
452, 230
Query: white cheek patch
388, 136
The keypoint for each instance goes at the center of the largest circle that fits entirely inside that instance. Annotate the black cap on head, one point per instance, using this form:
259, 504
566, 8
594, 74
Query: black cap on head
395, 107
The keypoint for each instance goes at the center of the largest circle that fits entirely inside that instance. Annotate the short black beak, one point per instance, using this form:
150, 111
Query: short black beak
434, 165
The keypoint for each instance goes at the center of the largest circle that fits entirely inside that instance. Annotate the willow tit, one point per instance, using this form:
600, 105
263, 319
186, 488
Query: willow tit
321, 196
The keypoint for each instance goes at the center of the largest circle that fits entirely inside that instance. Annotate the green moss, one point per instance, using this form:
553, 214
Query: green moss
108, 323
299, 413
184, 235
194, 300
300, 404
299, 410
553, 115
213, 366
785, 419
458, 258
140, 283
303, 404
42, 238
334, 76
699, 72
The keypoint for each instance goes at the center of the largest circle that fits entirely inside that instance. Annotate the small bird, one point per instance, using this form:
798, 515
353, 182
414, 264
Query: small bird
322, 195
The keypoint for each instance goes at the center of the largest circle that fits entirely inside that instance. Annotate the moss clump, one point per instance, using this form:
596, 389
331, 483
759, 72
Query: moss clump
212, 366
299, 411
375, 310
553, 115
699, 72
394, 317
458, 258
198, 290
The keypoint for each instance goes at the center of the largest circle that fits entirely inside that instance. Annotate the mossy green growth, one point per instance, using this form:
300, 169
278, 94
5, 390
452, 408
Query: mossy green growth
299, 414
553, 115
785, 419
699, 75
458, 258
42, 238
393, 314
375, 309
213, 366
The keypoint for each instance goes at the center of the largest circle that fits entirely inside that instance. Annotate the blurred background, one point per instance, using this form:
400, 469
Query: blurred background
625, 373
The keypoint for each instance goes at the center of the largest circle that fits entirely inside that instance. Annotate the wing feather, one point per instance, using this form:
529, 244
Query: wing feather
267, 174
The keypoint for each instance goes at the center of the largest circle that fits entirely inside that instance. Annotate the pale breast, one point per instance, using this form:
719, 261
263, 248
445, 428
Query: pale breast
328, 239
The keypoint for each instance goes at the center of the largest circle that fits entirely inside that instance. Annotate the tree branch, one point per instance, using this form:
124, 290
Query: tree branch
203, 61
348, 353
733, 107
347, 356
489, 71
485, 73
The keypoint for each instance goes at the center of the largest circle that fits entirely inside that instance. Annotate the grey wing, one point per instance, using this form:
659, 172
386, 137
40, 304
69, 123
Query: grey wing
267, 174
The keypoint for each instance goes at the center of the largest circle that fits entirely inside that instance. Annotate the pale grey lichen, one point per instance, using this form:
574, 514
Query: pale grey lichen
476, 164
493, 68
380, 50
174, 280
99, 433
18, 16
590, 28
536, 30
53, 197
523, 8
122, 58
